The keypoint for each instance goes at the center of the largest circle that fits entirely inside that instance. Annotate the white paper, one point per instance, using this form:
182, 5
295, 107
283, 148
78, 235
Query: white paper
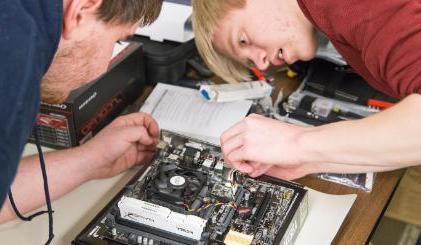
184, 111
325, 216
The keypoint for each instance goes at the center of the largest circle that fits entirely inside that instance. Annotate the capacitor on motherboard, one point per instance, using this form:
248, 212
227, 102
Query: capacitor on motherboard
114, 232
139, 240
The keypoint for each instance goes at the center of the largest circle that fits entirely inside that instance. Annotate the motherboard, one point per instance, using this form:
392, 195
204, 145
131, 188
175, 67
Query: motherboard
188, 195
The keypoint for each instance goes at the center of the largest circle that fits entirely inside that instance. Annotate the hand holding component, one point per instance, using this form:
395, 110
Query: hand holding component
257, 143
128, 140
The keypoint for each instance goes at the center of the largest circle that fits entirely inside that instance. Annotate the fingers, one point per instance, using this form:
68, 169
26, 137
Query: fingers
145, 153
259, 169
141, 147
253, 169
139, 119
242, 167
238, 128
236, 156
242, 154
138, 127
232, 144
254, 115
133, 156
145, 157
137, 134
152, 126
234, 139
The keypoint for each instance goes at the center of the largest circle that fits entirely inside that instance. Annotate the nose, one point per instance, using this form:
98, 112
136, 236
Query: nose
260, 59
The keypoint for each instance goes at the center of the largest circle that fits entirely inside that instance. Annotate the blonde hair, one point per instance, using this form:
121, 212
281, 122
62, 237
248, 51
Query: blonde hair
207, 15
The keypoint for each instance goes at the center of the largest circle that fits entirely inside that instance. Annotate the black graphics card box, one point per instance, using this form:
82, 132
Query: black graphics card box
91, 107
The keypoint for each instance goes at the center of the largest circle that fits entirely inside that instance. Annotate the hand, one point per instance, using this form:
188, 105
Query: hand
128, 140
286, 173
258, 145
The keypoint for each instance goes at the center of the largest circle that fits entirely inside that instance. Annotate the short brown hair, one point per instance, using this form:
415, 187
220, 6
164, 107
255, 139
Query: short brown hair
207, 15
129, 11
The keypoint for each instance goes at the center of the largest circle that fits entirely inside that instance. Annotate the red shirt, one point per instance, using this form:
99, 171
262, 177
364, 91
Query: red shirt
380, 39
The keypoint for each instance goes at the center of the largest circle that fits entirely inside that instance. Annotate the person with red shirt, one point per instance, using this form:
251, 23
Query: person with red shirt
380, 39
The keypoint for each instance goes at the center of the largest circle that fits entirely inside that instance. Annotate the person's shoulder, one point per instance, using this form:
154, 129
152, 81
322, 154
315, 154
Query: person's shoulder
350, 18
47, 16
384, 36
30, 30
391, 49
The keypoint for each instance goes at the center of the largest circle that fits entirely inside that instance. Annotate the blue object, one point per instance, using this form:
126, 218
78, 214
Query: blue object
29, 35
205, 94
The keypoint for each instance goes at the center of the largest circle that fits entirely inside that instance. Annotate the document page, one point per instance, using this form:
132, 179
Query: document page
184, 111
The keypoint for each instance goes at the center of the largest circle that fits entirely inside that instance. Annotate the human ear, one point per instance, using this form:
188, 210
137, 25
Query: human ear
77, 14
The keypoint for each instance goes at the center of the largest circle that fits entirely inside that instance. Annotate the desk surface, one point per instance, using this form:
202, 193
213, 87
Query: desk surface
77, 209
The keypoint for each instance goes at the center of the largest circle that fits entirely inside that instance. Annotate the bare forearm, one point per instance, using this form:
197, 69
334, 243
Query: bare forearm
65, 170
388, 140
134, 139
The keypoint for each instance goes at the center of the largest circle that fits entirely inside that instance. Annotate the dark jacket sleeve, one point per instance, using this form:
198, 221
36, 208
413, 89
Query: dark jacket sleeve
26, 51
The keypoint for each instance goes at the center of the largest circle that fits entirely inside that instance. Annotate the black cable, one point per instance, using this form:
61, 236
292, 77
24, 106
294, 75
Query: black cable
20, 216
46, 191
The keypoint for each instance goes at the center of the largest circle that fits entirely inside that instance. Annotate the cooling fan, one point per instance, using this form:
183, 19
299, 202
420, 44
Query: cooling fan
175, 185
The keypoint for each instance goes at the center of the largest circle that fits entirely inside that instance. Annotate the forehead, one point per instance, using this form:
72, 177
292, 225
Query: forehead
227, 30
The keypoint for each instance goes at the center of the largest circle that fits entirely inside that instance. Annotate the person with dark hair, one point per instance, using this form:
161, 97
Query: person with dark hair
379, 39
50, 48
